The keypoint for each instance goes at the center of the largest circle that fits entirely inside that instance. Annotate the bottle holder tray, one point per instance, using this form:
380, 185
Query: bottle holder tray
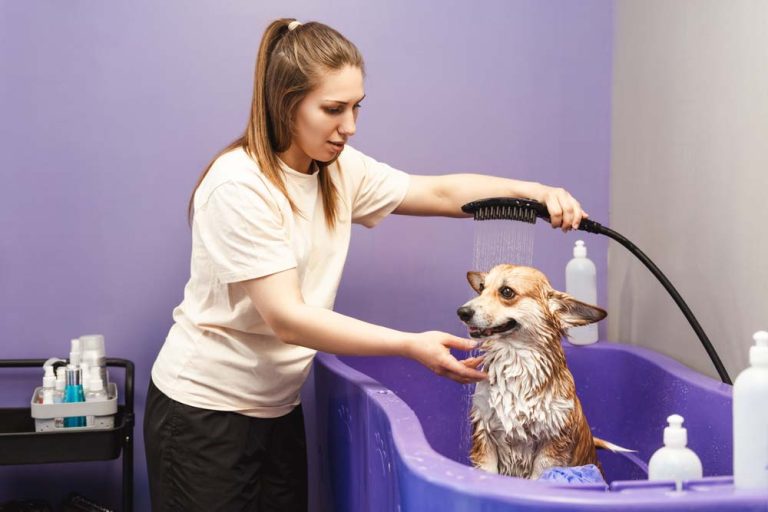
101, 415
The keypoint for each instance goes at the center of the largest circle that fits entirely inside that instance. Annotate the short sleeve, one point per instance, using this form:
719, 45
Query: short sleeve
380, 190
241, 229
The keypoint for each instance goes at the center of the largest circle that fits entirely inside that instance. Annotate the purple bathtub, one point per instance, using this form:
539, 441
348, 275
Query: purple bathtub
389, 437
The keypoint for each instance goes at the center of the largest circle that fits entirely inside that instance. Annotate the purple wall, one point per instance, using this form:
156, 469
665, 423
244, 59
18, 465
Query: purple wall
108, 112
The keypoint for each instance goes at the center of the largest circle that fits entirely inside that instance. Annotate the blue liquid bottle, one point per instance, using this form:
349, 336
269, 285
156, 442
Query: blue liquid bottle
73, 392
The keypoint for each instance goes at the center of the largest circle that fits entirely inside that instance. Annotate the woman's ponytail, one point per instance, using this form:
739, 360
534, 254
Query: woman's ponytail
292, 60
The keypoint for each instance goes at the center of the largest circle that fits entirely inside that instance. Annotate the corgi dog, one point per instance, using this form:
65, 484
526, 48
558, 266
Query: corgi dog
526, 417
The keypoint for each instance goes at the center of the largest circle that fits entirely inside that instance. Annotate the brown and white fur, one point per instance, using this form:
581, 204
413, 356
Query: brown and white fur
526, 418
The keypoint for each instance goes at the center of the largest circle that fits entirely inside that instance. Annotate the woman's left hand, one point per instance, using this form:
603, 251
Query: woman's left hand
564, 211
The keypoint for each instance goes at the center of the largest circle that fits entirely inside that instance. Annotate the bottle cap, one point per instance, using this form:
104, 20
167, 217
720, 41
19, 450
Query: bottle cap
73, 376
579, 250
94, 343
675, 436
758, 353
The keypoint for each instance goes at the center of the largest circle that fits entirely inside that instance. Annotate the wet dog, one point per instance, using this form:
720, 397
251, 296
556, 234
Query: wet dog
526, 418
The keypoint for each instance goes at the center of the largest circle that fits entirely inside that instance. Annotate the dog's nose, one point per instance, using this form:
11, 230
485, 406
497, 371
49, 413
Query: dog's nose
465, 313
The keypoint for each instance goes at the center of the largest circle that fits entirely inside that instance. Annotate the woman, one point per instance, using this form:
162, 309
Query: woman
271, 220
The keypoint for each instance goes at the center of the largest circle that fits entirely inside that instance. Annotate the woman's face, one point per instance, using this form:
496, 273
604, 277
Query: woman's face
325, 119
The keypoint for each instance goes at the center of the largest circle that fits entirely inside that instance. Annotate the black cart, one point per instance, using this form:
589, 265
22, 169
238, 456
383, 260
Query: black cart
20, 444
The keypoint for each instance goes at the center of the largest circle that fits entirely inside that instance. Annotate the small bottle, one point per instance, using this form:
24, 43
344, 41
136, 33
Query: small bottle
58, 394
49, 382
750, 419
73, 392
674, 461
94, 354
581, 284
96, 392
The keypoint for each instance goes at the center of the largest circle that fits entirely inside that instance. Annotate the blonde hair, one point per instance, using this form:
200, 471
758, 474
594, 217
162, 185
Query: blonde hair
290, 63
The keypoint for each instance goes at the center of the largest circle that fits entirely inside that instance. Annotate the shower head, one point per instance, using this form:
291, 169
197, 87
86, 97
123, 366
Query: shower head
525, 210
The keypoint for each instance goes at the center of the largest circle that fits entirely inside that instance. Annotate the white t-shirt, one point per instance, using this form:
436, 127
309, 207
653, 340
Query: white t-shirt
219, 353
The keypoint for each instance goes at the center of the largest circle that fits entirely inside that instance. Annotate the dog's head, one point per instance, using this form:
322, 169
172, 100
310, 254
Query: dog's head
519, 302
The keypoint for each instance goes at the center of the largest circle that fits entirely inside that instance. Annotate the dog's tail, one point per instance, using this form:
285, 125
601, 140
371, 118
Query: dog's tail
602, 444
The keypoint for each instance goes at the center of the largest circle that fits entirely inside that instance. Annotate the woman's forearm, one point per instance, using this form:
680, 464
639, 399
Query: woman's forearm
328, 331
445, 195
458, 189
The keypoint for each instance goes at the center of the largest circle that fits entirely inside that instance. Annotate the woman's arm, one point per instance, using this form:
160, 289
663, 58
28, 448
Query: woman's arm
278, 299
444, 196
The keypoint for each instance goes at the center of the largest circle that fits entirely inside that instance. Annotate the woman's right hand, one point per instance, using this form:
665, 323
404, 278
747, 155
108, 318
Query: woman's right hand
431, 349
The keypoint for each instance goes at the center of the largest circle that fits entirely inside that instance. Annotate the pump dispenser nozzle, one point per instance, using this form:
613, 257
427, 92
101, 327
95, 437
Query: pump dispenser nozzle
758, 353
75, 352
579, 250
675, 436
49, 379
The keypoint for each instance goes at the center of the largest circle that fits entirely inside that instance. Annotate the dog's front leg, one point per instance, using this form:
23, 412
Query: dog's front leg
483, 454
544, 460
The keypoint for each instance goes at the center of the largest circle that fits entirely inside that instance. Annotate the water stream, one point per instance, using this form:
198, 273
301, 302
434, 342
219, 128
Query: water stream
496, 242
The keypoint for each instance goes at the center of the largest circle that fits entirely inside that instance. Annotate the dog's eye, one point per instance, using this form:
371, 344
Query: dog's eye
507, 292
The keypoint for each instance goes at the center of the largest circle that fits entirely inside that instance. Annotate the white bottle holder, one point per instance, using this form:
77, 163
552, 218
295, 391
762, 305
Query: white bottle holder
103, 412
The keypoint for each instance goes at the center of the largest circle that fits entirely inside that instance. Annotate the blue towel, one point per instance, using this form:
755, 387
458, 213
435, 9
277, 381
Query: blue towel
588, 474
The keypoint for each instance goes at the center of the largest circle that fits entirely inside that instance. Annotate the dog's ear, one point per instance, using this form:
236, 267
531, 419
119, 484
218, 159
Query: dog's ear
572, 312
476, 280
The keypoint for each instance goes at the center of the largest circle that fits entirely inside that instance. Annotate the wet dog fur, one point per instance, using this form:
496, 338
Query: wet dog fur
526, 417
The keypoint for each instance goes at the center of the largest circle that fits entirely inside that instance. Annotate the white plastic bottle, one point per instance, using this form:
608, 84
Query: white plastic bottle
49, 383
674, 461
94, 354
86, 369
96, 392
581, 283
750, 419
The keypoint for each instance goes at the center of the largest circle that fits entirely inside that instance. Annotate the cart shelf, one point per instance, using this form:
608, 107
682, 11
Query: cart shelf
20, 444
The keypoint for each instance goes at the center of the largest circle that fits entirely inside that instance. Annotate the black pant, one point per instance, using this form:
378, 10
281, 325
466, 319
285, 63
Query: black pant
198, 459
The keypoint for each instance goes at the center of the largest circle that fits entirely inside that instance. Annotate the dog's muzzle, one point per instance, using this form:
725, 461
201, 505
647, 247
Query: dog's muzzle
466, 313
490, 331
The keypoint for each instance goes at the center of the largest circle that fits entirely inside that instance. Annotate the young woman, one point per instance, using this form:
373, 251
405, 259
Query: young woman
271, 221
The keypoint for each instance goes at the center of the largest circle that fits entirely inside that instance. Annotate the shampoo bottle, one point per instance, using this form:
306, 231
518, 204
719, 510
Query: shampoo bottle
85, 371
93, 354
750, 419
73, 392
95, 393
581, 283
674, 461
49, 383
